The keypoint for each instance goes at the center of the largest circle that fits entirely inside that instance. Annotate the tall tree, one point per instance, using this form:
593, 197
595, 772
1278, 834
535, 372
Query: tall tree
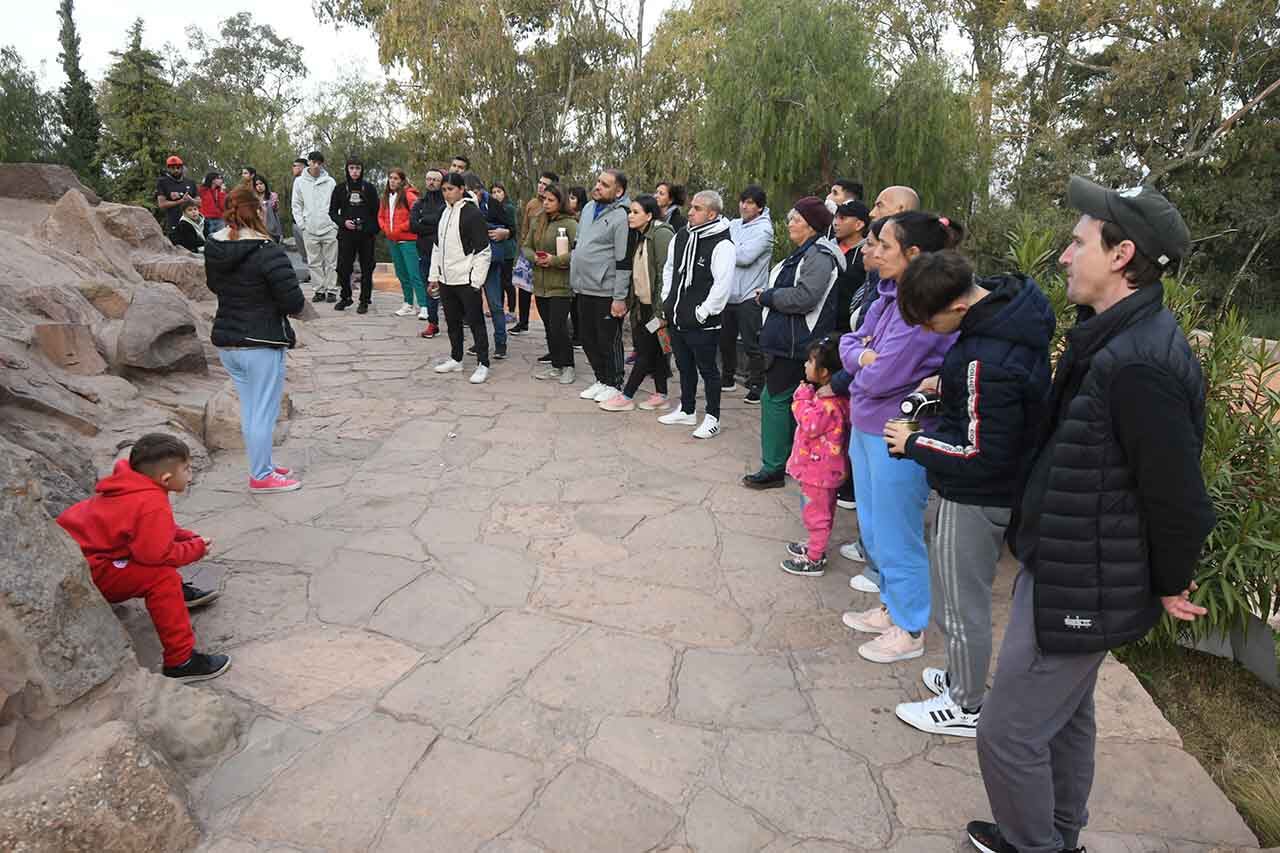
138, 103
81, 125
25, 131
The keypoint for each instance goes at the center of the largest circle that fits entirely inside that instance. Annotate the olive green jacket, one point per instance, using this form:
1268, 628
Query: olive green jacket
552, 280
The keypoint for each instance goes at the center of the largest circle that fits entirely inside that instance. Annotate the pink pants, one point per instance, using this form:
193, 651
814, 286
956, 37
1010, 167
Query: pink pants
819, 508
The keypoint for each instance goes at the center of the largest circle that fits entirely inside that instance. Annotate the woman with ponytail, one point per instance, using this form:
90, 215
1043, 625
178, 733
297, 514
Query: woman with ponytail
393, 219
889, 359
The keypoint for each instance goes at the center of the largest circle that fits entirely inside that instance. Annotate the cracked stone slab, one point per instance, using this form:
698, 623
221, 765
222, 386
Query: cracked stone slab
606, 672
431, 611
497, 577
863, 721
354, 583
299, 546
528, 728
252, 605
458, 798
914, 787
694, 568
664, 758
740, 690
589, 810
269, 746
714, 824
446, 525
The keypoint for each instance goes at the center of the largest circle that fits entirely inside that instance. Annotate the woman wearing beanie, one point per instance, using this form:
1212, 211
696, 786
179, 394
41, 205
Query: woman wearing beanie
799, 310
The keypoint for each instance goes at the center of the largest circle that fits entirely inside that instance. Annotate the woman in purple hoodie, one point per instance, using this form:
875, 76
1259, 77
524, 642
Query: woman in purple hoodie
888, 359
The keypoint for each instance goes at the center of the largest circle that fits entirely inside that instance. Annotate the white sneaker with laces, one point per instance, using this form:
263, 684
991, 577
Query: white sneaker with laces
449, 366
939, 716
480, 375
710, 427
424, 314
936, 680
892, 646
590, 392
567, 376
862, 583
406, 310
606, 392
853, 551
675, 417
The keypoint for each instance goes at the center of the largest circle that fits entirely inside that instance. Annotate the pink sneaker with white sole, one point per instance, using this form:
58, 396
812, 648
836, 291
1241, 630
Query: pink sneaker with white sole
273, 482
654, 402
618, 403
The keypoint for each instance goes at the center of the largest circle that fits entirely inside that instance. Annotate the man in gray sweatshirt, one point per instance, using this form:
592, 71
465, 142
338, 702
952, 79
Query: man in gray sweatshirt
600, 276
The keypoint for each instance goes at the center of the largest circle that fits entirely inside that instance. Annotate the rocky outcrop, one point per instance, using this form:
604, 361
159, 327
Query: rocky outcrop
74, 227
41, 182
159, 332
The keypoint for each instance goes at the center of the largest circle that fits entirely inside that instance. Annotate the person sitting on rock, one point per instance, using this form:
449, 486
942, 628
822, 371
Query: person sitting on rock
189, 232
134, 548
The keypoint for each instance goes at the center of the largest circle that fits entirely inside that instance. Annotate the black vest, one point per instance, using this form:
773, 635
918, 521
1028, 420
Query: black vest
684, 298
1093, 579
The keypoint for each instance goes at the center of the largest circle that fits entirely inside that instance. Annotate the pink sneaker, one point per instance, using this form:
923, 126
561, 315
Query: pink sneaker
273, 482
873, 621
892, 646
618, 403
654, 402
283, 471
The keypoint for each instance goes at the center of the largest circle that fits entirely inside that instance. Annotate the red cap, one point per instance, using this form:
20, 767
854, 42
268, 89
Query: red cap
174, 160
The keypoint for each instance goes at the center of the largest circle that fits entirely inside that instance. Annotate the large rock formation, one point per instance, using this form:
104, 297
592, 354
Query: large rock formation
41, 182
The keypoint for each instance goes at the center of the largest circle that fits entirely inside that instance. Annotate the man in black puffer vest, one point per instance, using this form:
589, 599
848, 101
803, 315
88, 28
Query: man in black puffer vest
1109, 523
354, 209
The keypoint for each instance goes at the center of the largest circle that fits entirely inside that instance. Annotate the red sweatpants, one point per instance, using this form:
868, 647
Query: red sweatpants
161, 588
819, 509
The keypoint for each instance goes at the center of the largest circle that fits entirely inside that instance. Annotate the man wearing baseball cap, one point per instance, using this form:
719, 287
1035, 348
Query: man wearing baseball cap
1109, 523
173, 190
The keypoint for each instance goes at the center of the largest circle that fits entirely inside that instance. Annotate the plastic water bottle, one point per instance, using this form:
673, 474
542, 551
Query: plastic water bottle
562, 243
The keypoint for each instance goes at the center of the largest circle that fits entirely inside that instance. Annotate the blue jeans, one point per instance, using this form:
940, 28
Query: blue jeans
259, 377
494, 296
892, 494
433, 302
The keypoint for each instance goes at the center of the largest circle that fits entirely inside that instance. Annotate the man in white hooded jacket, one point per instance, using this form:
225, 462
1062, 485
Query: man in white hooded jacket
312, 191
459, 266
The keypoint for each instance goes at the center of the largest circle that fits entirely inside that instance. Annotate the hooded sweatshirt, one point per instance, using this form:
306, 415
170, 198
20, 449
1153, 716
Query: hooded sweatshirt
599, 265
698, 275
994, 384
310, 204
905, 355
357, 201
129, 518
753, 244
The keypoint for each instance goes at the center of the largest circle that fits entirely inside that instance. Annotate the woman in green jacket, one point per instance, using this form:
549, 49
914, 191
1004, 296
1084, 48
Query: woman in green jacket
650, 239
551, 279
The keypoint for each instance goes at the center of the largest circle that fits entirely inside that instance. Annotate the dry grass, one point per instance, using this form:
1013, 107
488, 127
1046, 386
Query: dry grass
1229, 721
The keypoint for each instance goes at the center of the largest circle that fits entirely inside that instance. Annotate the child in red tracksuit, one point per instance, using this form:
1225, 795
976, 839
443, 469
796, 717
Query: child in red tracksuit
134, 548
818, 459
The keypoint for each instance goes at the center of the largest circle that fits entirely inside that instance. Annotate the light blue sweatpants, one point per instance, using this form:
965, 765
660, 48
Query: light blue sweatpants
892, 495
259, 376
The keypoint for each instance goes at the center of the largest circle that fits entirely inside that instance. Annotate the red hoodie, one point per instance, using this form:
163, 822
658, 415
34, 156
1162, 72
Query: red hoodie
129, 518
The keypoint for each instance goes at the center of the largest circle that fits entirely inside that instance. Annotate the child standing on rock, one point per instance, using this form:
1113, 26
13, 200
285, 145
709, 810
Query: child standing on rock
134, 548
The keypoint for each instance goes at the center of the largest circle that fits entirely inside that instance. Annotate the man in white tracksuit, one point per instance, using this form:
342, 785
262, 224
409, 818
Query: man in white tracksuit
311, 192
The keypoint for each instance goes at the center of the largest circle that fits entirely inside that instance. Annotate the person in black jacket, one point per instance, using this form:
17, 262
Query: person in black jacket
994, 383
1109, 523
257, 291
354, 209
189, 232
424, 220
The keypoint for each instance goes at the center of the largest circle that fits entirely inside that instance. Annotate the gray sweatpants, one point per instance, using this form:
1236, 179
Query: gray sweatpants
962, 558
1036, 736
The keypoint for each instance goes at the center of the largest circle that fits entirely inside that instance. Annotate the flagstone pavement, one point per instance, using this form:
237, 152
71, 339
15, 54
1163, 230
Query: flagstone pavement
498, 619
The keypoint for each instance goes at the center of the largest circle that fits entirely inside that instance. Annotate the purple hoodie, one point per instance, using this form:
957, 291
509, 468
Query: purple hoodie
905, 355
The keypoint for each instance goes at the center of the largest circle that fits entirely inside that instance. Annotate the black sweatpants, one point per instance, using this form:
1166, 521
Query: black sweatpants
650, 359
555, 318
695, 352
349, 248
461, 305
508, 267
602, 339
743, 317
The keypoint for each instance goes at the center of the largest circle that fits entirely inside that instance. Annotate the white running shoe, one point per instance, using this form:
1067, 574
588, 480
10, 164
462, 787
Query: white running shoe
862, 583
606, 392
424, 314
567, 375
449, 366
939, 716
710, 427
675, 417
853, 551
406, 310
481, 374
549, 373
590, 392
936, 680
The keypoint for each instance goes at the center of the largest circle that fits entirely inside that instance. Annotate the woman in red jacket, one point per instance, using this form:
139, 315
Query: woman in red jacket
393, 220
213, 203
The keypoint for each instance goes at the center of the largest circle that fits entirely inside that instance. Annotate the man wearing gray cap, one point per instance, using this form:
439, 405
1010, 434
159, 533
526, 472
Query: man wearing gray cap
1109, 523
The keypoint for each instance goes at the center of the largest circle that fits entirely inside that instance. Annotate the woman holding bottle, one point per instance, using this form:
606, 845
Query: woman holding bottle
551, 238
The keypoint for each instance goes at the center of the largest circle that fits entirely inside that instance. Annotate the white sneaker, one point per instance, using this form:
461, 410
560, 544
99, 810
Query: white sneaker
939, 716
549, 373
406, 310
710, 427
590, 392
892, 646
449, 366
606, 392
481, 374
936, 680
675, 417
567, 376
844, 504
853, 551
424, 314
862, 583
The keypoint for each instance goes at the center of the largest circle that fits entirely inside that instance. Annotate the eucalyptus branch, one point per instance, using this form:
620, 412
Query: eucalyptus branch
1192, 156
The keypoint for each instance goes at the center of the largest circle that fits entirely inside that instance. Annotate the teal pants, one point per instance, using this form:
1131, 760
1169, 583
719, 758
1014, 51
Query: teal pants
777, 429
404, 256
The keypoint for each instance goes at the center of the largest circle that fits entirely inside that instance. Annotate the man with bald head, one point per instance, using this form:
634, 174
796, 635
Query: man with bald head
894, 200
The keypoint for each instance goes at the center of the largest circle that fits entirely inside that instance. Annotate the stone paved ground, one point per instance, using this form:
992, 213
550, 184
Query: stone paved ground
498, 619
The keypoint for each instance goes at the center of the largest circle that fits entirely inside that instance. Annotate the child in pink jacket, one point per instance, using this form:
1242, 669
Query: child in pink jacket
818, 460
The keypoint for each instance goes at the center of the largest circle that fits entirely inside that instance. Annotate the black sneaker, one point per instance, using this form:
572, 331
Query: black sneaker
500, 353
196, 597
730, 388
472, 349
797, 549
986, 837
331, 297
518, 330
318, 297
753, 396
765, 480
805, 567
362, 308
545, 358
343, 305
200, 667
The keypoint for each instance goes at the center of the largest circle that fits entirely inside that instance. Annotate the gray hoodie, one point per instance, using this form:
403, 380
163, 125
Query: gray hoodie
599, 265
753, 243
311, 204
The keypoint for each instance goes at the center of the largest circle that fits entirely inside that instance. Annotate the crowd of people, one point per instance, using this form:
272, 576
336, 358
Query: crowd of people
886, 371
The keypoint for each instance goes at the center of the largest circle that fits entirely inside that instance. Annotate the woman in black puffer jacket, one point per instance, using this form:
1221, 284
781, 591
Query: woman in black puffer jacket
257, 290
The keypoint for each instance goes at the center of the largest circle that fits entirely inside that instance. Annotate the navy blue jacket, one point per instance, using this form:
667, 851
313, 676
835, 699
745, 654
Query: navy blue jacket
995, 385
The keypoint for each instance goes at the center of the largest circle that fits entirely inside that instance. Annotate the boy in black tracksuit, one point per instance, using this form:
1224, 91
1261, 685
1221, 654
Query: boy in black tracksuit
354, 209
994, 384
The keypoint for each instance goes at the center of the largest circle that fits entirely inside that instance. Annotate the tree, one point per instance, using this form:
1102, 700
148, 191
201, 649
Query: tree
81, 125
25, 132
138, 103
